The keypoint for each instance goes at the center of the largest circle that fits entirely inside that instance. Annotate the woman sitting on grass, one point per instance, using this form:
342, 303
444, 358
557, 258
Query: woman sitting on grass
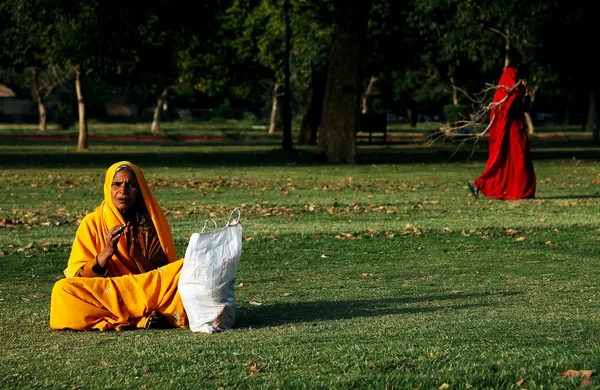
123, 270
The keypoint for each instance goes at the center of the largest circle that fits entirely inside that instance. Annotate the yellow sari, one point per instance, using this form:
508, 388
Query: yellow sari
123, 298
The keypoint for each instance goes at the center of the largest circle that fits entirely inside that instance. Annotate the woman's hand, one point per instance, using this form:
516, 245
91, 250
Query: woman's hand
112, 239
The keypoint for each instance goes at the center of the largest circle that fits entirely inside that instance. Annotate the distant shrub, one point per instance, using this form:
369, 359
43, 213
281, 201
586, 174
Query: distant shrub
455, 113
223, 111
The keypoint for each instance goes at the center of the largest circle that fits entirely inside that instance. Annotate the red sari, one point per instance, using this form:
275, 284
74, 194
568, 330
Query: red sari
509, 172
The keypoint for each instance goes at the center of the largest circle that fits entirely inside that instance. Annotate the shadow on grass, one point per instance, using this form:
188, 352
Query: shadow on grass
182, 155
297, 312
596, 195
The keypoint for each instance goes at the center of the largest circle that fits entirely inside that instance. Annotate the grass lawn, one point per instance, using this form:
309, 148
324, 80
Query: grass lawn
386, 274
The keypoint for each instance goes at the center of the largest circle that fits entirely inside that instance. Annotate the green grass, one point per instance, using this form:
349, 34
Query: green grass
383, 274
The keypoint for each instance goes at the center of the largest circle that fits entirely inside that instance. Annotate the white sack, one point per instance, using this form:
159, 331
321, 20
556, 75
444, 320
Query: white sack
207, 280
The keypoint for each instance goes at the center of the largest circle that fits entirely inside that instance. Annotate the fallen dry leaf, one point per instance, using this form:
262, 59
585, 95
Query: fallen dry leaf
254, 366
29, 245
584, 374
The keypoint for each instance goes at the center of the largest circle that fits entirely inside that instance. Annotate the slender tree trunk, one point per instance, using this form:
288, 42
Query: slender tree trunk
368, 93
39, 99
592, 120
276, 122
454, 91
82, 142
528, 120
337, 134
312, 117
529, 123
160, 102
413, 113
286, 139
507, 48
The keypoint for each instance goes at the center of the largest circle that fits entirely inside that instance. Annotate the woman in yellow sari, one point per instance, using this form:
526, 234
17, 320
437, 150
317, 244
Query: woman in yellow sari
123, 270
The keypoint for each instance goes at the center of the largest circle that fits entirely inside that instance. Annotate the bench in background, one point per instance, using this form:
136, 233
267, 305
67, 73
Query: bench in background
373, 123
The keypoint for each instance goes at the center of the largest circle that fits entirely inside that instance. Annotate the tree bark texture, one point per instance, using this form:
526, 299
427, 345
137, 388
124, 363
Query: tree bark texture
528, 119
312, 117
286, 140
42, 126
412, 113
337, 134
160, 102
369, 91
276, 121
82, 142
454, 91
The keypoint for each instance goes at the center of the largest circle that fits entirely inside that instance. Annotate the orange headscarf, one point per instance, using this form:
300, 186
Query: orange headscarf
90, 238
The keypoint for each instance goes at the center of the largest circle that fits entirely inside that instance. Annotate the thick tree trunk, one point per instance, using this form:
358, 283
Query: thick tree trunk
40, 100
160, 102
276, 121
367, 94
337, 134
82, 142
592, 120
312, 118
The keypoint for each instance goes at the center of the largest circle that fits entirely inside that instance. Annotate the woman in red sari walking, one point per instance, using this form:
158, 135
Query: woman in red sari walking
509, 172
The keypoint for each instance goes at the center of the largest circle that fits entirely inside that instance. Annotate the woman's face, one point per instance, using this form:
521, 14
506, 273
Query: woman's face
124, 190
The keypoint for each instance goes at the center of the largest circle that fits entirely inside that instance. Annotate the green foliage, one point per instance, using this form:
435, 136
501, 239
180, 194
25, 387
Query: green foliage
234, 49
223, 110
455, 113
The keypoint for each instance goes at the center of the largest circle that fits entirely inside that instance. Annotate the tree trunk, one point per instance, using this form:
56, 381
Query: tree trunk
286, 112
528, 120
312, 116
507, 49
413, 113
40, 100
592, 124
276, 122
368, 93
82, 142
337, 134
454, 91
160, 102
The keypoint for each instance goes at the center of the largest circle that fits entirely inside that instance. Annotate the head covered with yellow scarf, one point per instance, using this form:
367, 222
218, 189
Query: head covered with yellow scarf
90, 238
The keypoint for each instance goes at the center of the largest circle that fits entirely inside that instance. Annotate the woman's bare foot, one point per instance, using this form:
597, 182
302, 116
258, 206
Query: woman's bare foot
157, 321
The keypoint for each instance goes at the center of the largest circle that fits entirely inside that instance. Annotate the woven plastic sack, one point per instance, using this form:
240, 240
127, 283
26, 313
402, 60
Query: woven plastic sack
207, 279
